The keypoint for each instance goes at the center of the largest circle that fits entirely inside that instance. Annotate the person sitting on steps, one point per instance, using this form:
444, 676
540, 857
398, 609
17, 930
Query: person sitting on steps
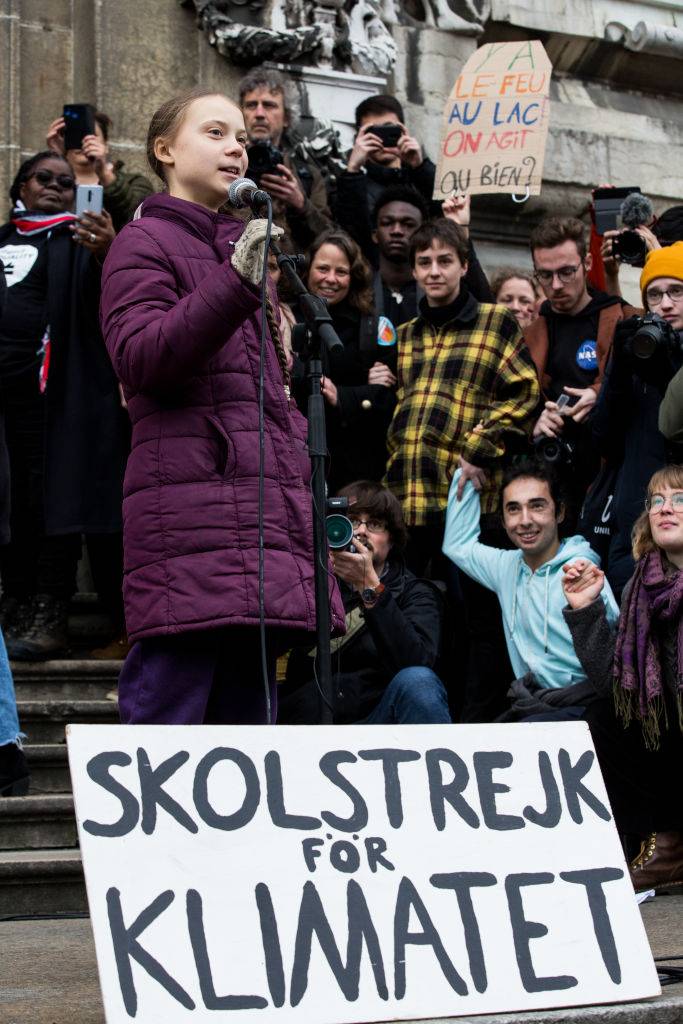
638, 736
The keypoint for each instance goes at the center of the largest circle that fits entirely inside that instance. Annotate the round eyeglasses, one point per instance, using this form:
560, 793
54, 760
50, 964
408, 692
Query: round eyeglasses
656, 502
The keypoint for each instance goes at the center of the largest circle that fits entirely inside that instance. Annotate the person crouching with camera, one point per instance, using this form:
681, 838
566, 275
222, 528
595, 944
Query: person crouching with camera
383, 668
647, 353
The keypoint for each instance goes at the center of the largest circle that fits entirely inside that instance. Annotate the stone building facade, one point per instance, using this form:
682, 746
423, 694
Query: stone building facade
616, 113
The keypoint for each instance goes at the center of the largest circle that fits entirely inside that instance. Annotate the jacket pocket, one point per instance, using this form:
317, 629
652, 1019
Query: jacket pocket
225, 464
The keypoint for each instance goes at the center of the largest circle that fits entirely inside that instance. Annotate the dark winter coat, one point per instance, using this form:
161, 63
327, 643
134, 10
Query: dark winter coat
626, 432
183, 331
356, 433
402, 630
86, 433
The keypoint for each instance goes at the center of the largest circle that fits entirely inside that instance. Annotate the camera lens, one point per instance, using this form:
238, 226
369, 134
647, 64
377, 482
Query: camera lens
630, 247
550, 451
645, 341
339, 532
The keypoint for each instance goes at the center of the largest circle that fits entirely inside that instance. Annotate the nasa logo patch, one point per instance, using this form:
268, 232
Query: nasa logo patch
587, 355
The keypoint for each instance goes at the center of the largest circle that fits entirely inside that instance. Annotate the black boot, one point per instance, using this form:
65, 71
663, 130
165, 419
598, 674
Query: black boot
46, 634
13, 771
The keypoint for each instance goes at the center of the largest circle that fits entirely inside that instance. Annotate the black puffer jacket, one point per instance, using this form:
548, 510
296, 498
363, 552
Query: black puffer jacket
402, 630
356, 433
625, 425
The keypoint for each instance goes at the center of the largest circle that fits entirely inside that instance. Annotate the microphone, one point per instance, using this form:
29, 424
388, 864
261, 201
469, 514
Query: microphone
245, 192
636, 209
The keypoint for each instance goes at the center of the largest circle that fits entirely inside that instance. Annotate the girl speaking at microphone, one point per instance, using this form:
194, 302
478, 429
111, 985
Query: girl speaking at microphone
181, 315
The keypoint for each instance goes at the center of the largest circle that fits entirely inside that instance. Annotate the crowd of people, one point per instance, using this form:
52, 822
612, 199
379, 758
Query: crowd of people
509, 447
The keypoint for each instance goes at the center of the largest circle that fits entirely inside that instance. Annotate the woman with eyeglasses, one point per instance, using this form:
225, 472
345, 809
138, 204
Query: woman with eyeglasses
626, 419
638, 734
60, 401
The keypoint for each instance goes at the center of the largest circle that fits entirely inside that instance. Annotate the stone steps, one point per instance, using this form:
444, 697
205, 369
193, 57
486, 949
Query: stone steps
44, 721
49, 767
40, 863
37, 822
78, 679
41, 882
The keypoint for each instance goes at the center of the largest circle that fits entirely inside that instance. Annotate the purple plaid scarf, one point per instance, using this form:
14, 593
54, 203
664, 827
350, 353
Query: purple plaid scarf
655, 596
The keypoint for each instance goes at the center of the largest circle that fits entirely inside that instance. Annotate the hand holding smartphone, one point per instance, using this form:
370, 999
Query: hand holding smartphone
89, 199
79, 121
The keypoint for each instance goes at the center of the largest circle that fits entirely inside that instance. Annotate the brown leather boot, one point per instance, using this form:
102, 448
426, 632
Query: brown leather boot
659, 864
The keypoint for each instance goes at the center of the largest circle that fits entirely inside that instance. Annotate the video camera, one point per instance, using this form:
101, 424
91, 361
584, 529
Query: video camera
628, 208
263, 159
339, 527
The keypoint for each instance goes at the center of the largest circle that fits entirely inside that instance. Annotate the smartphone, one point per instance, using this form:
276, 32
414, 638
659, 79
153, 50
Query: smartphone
389, 134
562, 402
89, 199
607, 205
79, 121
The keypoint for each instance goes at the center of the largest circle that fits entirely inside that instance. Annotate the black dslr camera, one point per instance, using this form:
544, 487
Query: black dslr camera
263, 159
653, 333
556, 451
630, 247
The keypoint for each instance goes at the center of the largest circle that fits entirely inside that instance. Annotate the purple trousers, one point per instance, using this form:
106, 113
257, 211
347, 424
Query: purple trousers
212, 676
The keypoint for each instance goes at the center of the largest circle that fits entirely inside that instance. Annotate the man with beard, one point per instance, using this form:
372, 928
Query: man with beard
384, 666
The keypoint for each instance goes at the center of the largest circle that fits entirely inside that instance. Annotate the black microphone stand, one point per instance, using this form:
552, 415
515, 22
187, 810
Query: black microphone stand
319, 333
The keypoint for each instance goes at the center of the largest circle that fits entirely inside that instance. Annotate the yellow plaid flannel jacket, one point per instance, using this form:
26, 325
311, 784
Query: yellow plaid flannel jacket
461, 388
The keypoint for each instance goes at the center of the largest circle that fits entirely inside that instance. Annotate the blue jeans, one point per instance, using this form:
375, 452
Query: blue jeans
415, 696
9, 720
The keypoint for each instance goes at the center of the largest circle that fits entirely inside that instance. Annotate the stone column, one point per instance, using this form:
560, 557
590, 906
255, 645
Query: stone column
428, 63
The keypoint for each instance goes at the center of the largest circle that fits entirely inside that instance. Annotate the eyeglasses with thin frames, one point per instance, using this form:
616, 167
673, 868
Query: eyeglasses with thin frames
655, 296
565, 274
371, 525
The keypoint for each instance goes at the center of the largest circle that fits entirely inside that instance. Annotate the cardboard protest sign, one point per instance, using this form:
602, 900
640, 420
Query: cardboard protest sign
495, 122
355, 873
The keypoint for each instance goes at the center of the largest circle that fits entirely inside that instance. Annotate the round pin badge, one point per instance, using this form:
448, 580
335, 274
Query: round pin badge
386, 332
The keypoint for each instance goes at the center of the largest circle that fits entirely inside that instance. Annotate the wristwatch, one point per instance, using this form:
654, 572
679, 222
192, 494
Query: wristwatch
371, 595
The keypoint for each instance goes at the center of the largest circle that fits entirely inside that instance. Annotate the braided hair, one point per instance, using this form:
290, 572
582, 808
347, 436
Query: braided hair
274, 326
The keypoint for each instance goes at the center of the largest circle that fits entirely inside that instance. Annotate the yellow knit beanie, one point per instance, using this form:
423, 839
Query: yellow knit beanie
666, 262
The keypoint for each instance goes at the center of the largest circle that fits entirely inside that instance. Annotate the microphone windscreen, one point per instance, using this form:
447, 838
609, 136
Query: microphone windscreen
636, 209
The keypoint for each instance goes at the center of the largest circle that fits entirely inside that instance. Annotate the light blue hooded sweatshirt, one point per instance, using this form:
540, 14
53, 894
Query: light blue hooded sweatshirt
538, 638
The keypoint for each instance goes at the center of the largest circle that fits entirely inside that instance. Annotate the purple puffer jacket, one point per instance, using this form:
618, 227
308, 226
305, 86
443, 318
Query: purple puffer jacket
183, 332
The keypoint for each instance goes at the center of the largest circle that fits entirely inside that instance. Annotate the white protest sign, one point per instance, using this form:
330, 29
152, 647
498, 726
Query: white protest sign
354, 873
495, 122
